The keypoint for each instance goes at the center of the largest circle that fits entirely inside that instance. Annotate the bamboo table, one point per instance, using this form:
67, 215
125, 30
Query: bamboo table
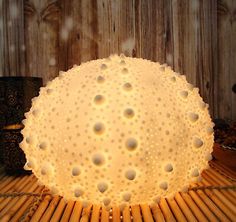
212, 199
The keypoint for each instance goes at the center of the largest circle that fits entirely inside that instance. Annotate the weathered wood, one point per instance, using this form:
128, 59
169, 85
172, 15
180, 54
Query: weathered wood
194, 44
78, 33
226, 31
12, 47
41, 38
195, 37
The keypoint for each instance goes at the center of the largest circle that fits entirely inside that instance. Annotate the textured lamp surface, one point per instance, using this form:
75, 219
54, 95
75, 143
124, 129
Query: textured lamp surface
118, 130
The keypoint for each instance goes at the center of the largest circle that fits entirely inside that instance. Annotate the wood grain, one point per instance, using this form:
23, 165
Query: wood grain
12, 42
195, 37
226, 32
41, 38
194, 44
194, 205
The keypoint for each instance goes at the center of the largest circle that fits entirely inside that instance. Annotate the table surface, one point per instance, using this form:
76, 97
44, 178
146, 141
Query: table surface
212, 199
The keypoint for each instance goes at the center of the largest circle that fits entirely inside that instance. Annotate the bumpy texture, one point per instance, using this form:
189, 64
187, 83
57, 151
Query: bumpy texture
118, 130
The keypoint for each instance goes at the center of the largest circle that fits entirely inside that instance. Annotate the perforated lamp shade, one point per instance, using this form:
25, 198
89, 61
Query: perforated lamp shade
118, 130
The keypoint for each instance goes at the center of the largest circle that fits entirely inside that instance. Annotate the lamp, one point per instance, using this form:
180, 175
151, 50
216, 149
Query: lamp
105, 130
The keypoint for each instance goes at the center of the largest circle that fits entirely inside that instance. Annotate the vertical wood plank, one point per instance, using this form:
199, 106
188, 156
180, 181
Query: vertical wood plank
78, 32
95, 213
108, 19
146, 212
185, 208
136, 213
75, 215
185, 30
126, 214
157, 213
192, 205
58, 211
12, 48
210, 215
176, 211
116, 214
104, 215
207, 75
1, 39
152, 21
166, 211
212, 206
195, 41
169, 35
85, 216
41, 208
226, 59
50, 209
68, 210
41, 38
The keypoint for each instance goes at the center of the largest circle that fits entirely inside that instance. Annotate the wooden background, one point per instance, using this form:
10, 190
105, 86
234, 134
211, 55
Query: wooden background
196, 37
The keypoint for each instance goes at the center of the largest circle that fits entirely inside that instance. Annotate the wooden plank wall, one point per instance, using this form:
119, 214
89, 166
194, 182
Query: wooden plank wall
226, 57
197, 38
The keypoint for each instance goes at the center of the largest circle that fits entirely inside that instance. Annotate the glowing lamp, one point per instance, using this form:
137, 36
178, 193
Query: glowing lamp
118, 130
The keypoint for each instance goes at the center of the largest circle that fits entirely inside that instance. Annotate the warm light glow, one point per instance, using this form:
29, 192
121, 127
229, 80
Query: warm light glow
118, 130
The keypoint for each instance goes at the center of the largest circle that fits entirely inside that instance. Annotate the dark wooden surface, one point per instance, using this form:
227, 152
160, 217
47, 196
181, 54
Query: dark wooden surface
197, 38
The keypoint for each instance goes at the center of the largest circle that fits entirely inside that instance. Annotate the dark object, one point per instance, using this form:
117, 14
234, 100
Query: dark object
15, 99
225, 156
224, 149
225, 134
234, 88
13, 158
221, 124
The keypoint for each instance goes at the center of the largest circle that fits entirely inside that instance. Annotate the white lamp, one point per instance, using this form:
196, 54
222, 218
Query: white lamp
118, 130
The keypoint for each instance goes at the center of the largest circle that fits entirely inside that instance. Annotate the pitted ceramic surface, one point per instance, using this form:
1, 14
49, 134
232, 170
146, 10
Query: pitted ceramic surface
118, 130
